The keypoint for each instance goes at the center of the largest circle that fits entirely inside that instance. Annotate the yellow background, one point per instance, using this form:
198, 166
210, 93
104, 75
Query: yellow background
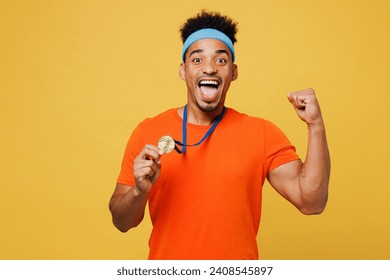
77, 76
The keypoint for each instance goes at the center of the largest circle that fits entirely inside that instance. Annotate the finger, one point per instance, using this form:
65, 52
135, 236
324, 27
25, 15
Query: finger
300, 101
146, 166
297, 100
154, 166
143, 173
151, 152
290, 97
155, 148
306, 92
142, 164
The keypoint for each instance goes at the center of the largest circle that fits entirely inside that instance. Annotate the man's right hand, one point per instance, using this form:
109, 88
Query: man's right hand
147, 167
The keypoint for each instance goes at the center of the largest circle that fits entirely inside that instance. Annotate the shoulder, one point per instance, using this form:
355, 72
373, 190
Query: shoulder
252, 125
151, 129
169, 115
245, 119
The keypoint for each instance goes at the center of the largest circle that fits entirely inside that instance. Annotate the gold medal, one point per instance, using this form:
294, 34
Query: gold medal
166, 144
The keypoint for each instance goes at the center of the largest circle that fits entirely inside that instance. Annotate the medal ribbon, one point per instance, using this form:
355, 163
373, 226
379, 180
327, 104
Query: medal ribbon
184, 128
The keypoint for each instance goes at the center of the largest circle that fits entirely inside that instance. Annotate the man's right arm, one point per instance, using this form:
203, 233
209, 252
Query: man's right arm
127, 204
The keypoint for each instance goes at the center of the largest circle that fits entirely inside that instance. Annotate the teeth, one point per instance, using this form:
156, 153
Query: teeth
209, 82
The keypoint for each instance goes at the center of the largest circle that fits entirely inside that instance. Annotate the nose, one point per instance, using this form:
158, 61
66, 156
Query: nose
208, 67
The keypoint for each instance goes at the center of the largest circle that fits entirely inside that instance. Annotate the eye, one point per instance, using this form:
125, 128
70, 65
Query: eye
197, 60
221, 61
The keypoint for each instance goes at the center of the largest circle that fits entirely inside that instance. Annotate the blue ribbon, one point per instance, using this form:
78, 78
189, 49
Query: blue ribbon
184, 129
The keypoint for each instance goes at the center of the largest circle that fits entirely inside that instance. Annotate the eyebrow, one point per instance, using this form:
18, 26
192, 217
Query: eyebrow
223, 51
196, 51
217, 51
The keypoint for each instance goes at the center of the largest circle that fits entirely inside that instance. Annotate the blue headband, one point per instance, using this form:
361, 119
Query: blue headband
208, 33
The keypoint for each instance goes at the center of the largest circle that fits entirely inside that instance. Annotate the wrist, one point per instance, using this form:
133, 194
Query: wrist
138, 192
316, 125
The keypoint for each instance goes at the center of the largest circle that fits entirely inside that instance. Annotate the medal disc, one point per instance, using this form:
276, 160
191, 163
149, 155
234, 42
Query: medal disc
166, 144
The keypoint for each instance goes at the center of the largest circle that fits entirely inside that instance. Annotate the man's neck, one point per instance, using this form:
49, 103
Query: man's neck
199, 117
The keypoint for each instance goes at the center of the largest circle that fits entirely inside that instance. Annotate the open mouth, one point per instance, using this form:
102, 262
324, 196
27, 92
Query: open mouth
209, 87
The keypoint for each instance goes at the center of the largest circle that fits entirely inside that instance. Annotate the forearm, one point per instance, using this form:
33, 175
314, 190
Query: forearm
314, 177
127, 204
127, 209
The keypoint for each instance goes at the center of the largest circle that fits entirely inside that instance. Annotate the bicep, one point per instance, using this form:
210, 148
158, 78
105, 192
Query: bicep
285, 180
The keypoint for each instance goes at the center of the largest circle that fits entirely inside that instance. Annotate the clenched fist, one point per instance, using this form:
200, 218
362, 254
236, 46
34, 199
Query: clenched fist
147, 167
306, 105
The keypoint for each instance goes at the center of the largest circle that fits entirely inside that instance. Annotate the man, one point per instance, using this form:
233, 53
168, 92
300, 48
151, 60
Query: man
205, 197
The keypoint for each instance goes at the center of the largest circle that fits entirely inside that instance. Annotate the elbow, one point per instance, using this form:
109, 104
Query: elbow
119, 220
313, 208
124, 224
123, 227
120, 224
313, 204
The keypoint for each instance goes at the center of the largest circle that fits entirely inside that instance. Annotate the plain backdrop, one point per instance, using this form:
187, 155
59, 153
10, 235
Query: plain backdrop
76, 77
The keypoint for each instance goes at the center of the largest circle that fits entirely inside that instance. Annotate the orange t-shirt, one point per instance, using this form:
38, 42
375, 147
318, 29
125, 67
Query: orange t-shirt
206, 203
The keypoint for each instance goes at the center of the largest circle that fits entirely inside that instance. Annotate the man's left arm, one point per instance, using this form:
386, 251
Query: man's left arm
305, 185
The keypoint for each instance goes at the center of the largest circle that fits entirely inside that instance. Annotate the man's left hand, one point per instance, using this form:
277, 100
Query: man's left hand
306, 105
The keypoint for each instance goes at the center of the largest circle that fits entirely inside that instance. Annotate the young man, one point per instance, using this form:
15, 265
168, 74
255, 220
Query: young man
205, 197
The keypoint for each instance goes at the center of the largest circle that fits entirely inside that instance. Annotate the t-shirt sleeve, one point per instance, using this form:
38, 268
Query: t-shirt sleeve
133, 148
278, 149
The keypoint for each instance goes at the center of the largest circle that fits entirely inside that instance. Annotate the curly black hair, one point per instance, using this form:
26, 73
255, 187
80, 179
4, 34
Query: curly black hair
214, 20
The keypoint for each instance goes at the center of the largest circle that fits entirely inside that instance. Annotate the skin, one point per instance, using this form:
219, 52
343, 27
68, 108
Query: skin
305, 185
207, 59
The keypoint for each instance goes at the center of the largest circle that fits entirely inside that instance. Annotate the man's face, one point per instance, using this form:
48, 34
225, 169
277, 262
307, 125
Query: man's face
208, 72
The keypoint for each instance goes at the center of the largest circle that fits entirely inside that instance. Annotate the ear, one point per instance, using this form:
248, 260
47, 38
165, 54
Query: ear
235, 72
182, 71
